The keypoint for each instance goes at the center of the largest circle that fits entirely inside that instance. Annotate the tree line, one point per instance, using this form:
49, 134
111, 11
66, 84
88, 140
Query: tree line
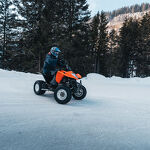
132, 9
125, 54
28, 29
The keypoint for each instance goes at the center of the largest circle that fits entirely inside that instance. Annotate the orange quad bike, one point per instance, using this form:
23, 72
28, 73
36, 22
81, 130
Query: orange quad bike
68, 85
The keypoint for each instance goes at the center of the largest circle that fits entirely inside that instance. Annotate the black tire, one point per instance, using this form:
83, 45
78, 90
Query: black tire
81, 95
38, 87
62, 94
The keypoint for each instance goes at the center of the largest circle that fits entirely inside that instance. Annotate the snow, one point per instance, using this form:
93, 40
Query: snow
114, 115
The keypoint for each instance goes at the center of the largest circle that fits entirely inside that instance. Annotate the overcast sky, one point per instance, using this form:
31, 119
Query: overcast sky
109, 5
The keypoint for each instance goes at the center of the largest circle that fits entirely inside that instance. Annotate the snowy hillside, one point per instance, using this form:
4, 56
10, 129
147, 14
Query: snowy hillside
114, 115
117, 22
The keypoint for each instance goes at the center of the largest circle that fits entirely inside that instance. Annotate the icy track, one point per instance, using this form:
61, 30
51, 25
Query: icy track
115, 115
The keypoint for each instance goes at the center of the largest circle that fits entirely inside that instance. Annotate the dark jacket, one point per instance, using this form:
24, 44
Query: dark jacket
51, 63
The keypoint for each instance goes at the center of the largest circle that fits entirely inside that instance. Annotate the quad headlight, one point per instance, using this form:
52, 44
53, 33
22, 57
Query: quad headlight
74, 75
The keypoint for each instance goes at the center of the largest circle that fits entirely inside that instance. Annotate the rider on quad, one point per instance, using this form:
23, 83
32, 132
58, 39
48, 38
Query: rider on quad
50, 64
62, 82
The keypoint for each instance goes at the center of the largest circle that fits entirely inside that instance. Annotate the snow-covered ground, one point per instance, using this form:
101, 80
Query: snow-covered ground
115, 115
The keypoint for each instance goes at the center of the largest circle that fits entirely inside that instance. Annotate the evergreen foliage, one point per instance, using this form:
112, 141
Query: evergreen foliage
143, 59
94, 39
113, 54
8, 31
61, 23
135, 47
28, 29
129, 34
100, 42
102, 45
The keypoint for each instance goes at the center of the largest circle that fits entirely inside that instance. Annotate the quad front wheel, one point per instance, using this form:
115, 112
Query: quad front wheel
80, 93
62, 94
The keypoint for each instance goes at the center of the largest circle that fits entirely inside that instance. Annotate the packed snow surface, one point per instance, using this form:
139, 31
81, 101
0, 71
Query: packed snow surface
115, 115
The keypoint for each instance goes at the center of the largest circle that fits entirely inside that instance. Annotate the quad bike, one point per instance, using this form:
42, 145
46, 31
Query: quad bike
67, 86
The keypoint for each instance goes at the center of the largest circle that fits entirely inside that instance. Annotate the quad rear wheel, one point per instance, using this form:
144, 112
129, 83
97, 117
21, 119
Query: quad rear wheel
62, 94
38, 85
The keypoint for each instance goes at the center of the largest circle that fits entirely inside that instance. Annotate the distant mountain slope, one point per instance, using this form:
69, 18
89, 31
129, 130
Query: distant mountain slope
125, 10
117, 17
117, 22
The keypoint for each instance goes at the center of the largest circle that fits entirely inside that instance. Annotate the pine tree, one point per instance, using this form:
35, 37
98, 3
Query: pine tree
143, 59
112, 55
1, 34
40, 25
99, 41
47, 23
129, 34
102, 45
76, 41
7, 30
94, 38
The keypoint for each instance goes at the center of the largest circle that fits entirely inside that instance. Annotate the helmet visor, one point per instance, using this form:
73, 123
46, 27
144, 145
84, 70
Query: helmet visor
57, 53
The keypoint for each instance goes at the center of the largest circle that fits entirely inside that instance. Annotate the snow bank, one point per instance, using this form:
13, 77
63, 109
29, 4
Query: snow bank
114, 115
13, 82
120, 88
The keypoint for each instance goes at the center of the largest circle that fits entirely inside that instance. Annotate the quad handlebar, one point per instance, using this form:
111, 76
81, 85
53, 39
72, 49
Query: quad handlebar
64, 65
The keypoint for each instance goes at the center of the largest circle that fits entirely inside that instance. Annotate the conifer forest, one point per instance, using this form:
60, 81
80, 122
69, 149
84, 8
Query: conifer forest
29, 28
